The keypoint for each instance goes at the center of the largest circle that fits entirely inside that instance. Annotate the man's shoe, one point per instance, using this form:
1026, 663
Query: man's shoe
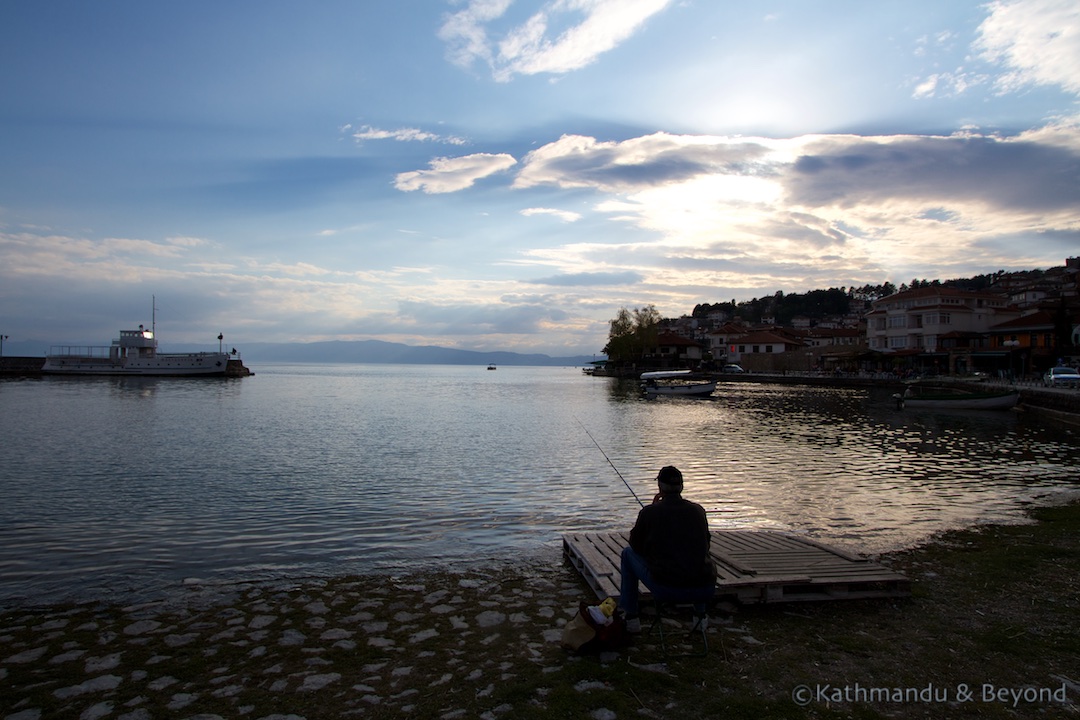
633, 625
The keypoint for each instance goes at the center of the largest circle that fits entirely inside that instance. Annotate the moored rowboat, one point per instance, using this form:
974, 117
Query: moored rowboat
995, 400
675, 382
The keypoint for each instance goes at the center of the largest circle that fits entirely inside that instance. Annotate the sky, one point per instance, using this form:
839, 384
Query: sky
507, 174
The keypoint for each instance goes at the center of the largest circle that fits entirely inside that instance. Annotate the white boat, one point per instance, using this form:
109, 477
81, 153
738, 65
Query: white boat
134, 353
950, 399
675, 382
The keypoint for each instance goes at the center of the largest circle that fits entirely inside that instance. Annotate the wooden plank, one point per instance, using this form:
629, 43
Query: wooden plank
720, 554
752, 566
611, 550
828, 548
766, 580
740, 541
576, 548
598, 565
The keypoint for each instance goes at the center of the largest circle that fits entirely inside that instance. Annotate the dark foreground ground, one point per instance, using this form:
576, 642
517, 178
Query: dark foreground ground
992, 630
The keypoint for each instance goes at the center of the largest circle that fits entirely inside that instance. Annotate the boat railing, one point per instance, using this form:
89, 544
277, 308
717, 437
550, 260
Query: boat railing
203, 353
92, 351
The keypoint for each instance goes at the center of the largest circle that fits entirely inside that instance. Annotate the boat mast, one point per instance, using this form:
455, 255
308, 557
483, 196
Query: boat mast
153, 315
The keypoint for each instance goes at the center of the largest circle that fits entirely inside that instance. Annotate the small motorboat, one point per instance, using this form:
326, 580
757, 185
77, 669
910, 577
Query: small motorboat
951, 398
676, 382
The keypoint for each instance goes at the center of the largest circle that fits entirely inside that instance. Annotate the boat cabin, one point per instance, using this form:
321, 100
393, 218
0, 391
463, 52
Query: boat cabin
134, 343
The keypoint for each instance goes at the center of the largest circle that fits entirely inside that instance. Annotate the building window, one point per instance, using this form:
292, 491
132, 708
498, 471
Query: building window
768, 348
897, 342
898, 321
945, 319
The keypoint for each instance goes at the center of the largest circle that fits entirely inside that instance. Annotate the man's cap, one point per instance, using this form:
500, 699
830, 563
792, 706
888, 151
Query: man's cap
670, 479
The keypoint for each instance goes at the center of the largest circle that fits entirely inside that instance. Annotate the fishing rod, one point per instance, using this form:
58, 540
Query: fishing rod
610, 463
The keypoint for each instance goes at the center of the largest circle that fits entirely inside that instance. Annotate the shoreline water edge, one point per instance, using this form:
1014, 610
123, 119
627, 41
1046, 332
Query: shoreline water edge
989, 631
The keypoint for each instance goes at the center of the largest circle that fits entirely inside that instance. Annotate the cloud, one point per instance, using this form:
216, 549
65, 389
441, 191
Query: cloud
1020, 43
564, 215
465, 34
453, 174
948, 84
802, 228
590, 279
367, 132
740, 215
579, 161
589, 28
56, 255
1015, 174
1037, 41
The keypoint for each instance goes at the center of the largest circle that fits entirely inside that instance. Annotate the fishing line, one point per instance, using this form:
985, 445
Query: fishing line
610, 463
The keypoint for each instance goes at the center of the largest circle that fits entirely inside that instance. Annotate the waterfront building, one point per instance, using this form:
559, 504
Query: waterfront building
917, 319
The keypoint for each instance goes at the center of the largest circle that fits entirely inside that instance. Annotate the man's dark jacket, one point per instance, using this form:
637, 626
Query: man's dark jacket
673, 537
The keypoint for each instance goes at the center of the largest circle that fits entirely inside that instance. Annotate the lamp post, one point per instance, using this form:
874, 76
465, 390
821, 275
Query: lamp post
2, 339
220, 337
1012, 345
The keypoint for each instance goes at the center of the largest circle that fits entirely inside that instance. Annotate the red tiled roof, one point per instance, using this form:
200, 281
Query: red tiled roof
940, 291
676, 340
1038, 320
767, 337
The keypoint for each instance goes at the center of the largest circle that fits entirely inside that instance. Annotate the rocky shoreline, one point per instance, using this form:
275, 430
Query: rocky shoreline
991, 605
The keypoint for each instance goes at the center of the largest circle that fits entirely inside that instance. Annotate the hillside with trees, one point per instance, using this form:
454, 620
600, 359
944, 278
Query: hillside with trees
817, 304
1045, 299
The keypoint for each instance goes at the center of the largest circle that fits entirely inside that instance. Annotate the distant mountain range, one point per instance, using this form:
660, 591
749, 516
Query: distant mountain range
378, 351
358, 351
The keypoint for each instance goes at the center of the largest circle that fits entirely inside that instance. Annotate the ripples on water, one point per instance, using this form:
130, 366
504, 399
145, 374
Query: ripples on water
124, 486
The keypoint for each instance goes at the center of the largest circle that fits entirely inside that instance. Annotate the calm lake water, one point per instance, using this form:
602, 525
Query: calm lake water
120, 487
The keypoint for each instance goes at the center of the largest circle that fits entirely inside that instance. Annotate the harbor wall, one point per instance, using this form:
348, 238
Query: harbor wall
1054, 404
21, 365
31, 366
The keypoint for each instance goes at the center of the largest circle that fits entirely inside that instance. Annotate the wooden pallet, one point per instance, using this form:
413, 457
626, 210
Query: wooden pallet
752, 566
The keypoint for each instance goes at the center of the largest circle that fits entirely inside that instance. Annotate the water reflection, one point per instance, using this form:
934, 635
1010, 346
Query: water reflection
844, 464
132, 484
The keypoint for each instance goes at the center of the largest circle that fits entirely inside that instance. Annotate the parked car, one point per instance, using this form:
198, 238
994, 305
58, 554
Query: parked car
732, 368
1061, 376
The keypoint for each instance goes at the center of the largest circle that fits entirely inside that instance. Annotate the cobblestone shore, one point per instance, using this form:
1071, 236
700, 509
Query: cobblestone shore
449, 646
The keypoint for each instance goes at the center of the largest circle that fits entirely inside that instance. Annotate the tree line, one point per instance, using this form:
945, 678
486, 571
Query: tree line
632, 333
